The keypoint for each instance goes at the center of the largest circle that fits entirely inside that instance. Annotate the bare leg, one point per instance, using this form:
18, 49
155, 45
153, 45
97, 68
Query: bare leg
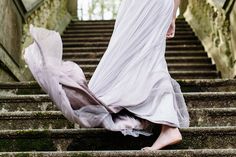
168, 136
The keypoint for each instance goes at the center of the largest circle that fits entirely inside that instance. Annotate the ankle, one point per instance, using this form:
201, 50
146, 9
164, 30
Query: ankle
172, 132
166, 127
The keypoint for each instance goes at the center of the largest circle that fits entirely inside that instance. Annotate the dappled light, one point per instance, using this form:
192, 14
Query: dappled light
97, 9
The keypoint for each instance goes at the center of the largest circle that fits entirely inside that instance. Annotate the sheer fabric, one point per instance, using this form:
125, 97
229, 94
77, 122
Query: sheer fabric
132, 74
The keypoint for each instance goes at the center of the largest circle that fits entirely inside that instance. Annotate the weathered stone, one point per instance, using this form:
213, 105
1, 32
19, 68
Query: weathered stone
105, 22
10, 29
30, 4
208, 85
26, 103
100, 139
215, 28
232, 19
161, 153
73, 8
51, 14
171, 67
213, 117
43, 103
201, 117
187, 85
33, 120
5, 73
10, 42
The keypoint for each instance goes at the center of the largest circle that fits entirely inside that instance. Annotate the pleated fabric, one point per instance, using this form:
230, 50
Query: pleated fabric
132, 75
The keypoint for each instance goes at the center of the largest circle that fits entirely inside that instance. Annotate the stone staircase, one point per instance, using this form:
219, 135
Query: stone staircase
32, 126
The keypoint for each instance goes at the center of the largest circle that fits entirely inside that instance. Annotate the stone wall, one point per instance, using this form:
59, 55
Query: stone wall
14, 33
52, 14
72, 8
10, 41
215, 27
182, 7
233, 34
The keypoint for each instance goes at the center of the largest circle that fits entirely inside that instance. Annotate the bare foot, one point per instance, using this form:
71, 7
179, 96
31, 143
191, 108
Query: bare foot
168, 136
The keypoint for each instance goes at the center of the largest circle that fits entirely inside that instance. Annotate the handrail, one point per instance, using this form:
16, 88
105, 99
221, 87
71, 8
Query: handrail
24, 12
228, 6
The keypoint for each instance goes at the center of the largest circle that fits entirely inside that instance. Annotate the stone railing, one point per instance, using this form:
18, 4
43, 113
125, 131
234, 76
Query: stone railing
213, 21
26, 7
15, 18
52, 14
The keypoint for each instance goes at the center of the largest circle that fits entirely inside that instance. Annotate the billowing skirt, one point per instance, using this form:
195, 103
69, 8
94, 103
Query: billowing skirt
131, 86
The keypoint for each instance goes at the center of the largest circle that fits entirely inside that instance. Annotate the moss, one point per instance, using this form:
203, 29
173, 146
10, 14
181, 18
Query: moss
27, 91
32, 133
21, 155
82, 155
39, 114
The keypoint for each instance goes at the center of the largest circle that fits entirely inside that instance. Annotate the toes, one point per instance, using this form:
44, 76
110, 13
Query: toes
146, 149
143, 149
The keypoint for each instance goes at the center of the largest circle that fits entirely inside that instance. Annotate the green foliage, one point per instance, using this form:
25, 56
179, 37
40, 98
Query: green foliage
98, 9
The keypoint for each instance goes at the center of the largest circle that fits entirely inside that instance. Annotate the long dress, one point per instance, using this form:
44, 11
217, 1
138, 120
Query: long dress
132, 75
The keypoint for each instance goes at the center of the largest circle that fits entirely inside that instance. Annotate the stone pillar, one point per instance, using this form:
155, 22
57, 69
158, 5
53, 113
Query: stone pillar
233, 34
72, 8
183, 7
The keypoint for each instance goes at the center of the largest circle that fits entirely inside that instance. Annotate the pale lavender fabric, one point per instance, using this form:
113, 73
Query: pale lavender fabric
132, 74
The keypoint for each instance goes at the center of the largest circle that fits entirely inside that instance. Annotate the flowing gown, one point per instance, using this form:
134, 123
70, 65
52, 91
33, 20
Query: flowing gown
132, 75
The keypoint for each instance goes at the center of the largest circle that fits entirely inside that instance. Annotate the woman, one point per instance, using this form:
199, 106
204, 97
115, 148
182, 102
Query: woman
131, 87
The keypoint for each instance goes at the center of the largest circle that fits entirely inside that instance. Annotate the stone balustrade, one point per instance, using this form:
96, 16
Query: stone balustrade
52, 14
214, 22
14, 31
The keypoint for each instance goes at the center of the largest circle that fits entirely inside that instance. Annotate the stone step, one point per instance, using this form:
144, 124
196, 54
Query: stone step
100, 139
42, 102
191, 67
181, 60
109, 32
128, 153
208, 85
103, 49
182, 74
105, 43
33, 120
212, 117
80, 37
22, 88
200, 117
194, 74
171, 67
89, 24
108, 22
111, 26
93, 35
187, 53
187, 85
100, 39
93, 55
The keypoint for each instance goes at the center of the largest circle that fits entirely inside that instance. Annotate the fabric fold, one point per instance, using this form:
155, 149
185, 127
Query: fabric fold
132, 75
